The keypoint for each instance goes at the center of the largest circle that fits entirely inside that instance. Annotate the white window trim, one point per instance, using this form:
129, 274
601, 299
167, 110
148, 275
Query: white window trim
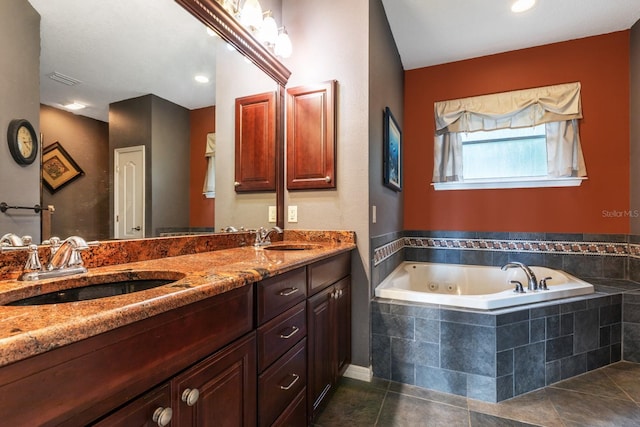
519, 182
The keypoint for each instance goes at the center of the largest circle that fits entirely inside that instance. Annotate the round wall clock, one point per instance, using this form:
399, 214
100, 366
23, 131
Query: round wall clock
23, 142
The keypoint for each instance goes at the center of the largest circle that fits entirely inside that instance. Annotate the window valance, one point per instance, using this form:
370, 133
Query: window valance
519, 108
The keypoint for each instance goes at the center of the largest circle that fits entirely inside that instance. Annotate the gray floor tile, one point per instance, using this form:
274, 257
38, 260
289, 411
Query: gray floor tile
589, 410
354, 403
483, 420
400, 410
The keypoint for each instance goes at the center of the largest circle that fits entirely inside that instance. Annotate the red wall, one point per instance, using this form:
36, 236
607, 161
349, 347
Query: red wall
201, 209
601, 64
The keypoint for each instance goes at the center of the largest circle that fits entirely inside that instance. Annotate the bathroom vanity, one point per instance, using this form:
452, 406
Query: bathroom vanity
249, 336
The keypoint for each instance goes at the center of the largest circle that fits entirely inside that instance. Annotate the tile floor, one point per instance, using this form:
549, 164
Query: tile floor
609, 396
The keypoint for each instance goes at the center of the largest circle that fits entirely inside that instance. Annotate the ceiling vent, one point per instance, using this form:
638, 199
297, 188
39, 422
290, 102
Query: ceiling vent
61, 78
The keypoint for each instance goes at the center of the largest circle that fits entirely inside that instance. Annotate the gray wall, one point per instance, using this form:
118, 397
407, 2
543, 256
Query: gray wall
634, 132
82, 206
163, 128
386, 86
20, 89
169, 165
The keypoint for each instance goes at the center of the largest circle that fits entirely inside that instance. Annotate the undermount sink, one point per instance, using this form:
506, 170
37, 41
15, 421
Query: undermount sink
89, 288
292, 247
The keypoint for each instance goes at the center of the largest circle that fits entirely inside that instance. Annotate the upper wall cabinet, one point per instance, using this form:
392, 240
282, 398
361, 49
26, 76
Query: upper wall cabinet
256, 143
311, 136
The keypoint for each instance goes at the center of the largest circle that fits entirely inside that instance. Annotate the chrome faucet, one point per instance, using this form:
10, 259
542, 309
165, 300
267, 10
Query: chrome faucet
531, 277
64, 258
13, 240
263, 236
66, 255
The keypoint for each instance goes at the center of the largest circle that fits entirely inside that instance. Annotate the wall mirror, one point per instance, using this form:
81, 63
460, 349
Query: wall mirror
137, 16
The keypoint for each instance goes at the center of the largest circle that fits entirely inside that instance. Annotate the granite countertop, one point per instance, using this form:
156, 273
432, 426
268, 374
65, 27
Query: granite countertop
30, 330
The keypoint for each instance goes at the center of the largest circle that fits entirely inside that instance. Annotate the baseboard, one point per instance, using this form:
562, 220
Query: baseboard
359, 373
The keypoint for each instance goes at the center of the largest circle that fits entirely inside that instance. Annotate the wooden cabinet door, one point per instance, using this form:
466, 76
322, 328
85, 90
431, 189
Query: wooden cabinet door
140, 412
321, 342
255, 135
311, 136
226, 384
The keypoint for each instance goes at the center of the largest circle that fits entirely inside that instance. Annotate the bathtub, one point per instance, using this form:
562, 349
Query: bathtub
475, 286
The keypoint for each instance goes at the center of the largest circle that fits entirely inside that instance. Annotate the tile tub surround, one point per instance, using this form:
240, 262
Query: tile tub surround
31, 330
494, 355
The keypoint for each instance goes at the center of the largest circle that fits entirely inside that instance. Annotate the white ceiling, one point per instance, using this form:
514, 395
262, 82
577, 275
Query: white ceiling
430, 32
120, 49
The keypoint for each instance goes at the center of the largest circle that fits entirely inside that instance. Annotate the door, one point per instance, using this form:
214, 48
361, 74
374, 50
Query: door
220, 391
128, 192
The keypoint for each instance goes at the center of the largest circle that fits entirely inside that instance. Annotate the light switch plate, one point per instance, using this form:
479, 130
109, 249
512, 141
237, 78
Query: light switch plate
292, 214
272, 214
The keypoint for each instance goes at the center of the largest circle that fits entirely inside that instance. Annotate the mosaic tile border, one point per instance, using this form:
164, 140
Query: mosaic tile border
621, 249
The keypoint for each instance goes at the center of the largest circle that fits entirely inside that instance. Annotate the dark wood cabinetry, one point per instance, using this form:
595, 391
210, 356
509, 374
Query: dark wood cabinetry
255, 143
328, 327
282, 348
219, 391
311, 136
264, 355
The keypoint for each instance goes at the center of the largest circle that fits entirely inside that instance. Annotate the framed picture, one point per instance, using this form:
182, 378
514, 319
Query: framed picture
392, 152
58, 168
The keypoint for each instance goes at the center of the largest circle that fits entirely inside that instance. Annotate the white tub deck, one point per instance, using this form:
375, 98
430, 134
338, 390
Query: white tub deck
475, 286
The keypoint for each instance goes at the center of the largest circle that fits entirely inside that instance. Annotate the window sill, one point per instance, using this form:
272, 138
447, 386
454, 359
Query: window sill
485, 184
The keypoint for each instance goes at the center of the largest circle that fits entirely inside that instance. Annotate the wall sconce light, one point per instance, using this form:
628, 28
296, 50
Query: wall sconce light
264, 27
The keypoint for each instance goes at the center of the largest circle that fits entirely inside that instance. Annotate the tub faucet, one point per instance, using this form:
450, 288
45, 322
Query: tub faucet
531, 277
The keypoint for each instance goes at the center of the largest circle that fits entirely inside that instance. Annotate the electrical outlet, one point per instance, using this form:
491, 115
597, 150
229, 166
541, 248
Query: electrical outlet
374, 214
272, 214
293, 214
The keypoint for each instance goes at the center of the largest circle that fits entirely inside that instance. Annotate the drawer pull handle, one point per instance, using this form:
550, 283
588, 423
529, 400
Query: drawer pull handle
288, 386
288, 291
294, 330
162, 416
190, 396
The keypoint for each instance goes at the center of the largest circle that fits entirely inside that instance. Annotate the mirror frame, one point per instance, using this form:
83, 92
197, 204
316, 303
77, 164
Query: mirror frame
213, 15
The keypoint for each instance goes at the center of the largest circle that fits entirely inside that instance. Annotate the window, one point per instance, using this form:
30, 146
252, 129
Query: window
504, 153
523, 138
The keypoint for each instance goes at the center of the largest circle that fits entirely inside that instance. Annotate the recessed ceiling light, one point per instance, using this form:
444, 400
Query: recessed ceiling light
201, 79
522, 5
74, 106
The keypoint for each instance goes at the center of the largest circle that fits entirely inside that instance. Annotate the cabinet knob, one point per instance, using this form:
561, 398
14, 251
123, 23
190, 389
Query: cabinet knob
327, 178
236, 184
190, 396
162, 416
291, 383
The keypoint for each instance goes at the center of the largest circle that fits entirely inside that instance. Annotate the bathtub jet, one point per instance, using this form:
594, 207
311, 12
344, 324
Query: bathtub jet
476, 286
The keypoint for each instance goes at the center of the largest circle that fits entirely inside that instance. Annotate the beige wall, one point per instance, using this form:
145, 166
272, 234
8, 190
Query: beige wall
330, 41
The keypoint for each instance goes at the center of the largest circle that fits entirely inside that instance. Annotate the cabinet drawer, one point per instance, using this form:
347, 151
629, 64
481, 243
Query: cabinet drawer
279, 385
326, 272
296, 413
280, 334
279, 293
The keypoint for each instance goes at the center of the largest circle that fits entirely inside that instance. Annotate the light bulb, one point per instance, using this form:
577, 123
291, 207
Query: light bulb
283, 46
269, 30
522, 5
251, 15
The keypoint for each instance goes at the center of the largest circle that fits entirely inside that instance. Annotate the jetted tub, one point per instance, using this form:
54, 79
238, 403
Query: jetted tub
475, 286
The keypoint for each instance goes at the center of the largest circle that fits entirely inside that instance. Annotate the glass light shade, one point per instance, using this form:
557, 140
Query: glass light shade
522, 5
269, 30
251, 15
283, 46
